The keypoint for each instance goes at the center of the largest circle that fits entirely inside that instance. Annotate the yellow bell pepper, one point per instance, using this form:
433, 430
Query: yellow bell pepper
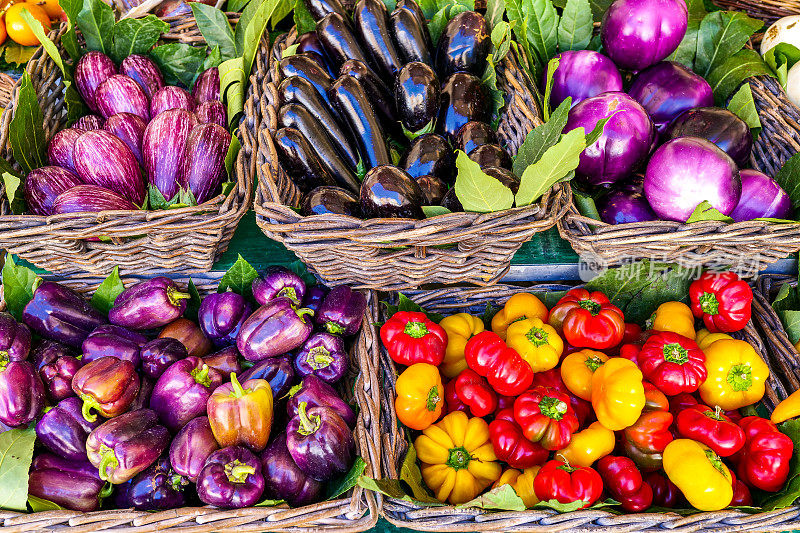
536, 342
788, 408
618, 393
521, 482
676, 317
797, 346
577, 369
457, 458
736, 375
699, 473
420, 396
705, 338
589, 445
460, 328
519, 306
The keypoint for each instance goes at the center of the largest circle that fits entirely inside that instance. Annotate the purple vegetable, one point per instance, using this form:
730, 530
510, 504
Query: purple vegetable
212, 112
320, 442
191, 447
43, 185
170, 97
159, 354
342, 311
164, 148
148, 304
277, 371
761, 197
63, 430
316, 393
231, 478
144, 72
687, 171
283, 478
314, 297
639, 33
120, 94
221, 316
92, 69
21, 393
102, 159
226, 361
274, 329
129, 128
279, 282
58, 313
182, 391
115, 341
624, 143
142, 400
61, 148
324, 356
89, 122
15, 339
625, 203
582, 74
72, 485
720, 126
203, 165
90, 198
157, 488
206, 87
49, 461
56, 366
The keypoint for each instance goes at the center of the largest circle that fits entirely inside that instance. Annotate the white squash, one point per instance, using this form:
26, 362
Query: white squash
793, 84
785, 30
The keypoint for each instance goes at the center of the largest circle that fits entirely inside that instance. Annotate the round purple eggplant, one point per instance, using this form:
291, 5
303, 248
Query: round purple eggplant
155, 489
120, 94
171, 97
89, 123
320, 442
416, 96
314, 392
473, 135
582, 74
182, 391
279, 282
625, 203
433, 189
212, 112
159, 354
762, 197
329, 199
21, 393
221, 316
464, 99
63, 429
206, 87
15, 339
148, 304
464, 45
284, 480
277, 371
92, 69
104, 160
129, 128
429, 155
143, 71
203, 167
61, 148
164, 148
324, 356
491, 155
60, 314
273, 329
109, 340
231, 478
720, 126
90, 199
191, 447
389, 192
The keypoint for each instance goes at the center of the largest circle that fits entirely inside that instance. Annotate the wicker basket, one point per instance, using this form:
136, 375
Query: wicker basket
779, 348
394, 254
766, 10
181, 240
448, 518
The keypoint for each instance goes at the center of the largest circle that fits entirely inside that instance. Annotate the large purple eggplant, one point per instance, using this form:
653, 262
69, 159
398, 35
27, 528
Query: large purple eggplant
72, 485
58, 313
226, 361
416, 95
206, 87
309, 43
43, 185
89, 122
191, 447
164, 148
182, 391
410, 36
377, 91
300, 160
277, 371
155, 489
308, 68
231, 478
720, 126
120, 94
371, 22
464, 99
104, 160
170, 97
130, 130
92, 69
21, 393
61, 148
203, 165
15, 339
351, 101
491, 155
324, 356
274, 329
159, 354
63, 430
430, 155
336, 35
284, 480
211, 112
56, 366
316, 393
329, 199
221, 315
148, 304
389, 192
279, 282
320, 442
90, 198
464, 45
342, 311
115, 341
144, 72
320, 8
472, 136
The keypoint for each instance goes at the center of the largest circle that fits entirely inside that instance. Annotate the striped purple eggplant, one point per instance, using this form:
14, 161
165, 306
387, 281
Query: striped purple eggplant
163, 148
173, 8
143, 71
203, 165
43, 185
120, 94
212, 112
104, 160
93, 69
90, 198
206, 87
61, 147
129, 128
89, 123
171, 97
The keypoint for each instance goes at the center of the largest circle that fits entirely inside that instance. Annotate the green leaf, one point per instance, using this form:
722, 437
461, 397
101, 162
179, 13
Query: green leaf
96, 22
239, 277
434, 210
780, 59
706, 211
216, 30
16, 454
477, 191
428, 7
289, 51
791, 323
437, 24
390, 5
599, 8
404, 303
12, 184
410, 474
26, 131
232, 79
213, 59
550, 72
575, 28
393, 488
39, 505
303, 19
137, 36
338, 487
501, 40
788, 299
686, 52
426, 129
17, 54
193, 305
496, 95
230, 157
743, 106
502, 498
536, 25
495, 9
733, 71
18, 286
105, 295
283, 10
180, 63
788, 177
722, 34
270, 503
254, 30
155, 200
555, 164
561, 507
541, 138
585, 204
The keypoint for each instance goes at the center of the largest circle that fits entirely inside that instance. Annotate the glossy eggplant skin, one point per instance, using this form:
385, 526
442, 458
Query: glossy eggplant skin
413, 6
333, 200
298, 117
371, 22
433, 189
491, 155
44, 184
309, 43
353, 105
416, 95
377, 92
464, 99
61, 147
389, 192
504, 176
298, 90
300, 160
464, 45
474, 134
411, 38
336, 36
320, 8
451, 201
306, 67
90, 199
430, 155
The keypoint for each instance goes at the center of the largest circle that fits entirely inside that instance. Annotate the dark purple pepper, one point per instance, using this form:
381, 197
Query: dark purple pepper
320, 442
284, 480
144, 72
226, 361
63, 430
92, 69
46, 351
21, 393
206, 87
57, 377
324, 356
182, 391
277, 371
43, 185
129, 128
61, 147
191, 447
155, 489
159, 354
170, 97
273, 329
49, 461
58, 313
314, 297
212, 112
231, 478
149, 304
115, 341
89, 123
15, 339
146, 386
279, 282
221, 315
72, 485
342, 311
316, 393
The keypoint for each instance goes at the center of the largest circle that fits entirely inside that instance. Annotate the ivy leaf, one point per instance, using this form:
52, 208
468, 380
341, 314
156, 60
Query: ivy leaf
744, 107
788, 177
575, 28
26, 131
722, 34
239, 277
541, 138
179, 62
136, 36
105, 295
706, 211
733, 71
502, 498
555, 164
216, 30
18, 286
96, 22
477, 191
16, 454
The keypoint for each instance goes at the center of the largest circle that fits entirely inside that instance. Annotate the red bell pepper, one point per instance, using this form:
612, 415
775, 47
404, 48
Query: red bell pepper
588, 320
411, 337
624, 482
559, 481
722, 300
546, 416
552, 378
741, 494
504, 369
630, 352
645, 440
511, 446
763, 461
504, 402
474, 392
451, 400
673, 363
654, 399
712, 428
665, 492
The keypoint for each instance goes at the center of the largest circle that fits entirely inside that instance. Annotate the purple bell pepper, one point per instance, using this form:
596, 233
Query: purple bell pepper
56, 366
126, 445
58, 313
49, 461
142, 400
221, 315
275, 328
182, 391
324, 356
342, 311
72, 485
284, 480
277, 371
320, 442
157, 488
115, 341
159, 354
314, 297
231, 478
279, 282
191, 447
226, 361
316, 393
63, 430
15, 339
21, 393
149, 304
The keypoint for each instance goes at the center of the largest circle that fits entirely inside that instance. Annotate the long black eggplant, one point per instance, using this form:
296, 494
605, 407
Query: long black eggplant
411, 38
464, 99
297, 90
306, 67
334, 200
372, 25
326, 147
413, 6
377, 91
337, 39
464, 45
353, 105
417, 94
309, 43
491, 155
389, 192
300, 160
320, 8
430, 155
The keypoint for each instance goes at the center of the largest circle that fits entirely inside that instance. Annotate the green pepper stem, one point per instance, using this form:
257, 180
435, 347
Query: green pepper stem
4, 360
591, 306
308, 424
238, 471
201, 376
416, 330
675, 353
740, 377
108, 459
319, 357
238, 390
537, 336
458, 458
89, 403
175, 296
303, 311
289, 292
334, 328
433, 399
107, 490
709, 303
